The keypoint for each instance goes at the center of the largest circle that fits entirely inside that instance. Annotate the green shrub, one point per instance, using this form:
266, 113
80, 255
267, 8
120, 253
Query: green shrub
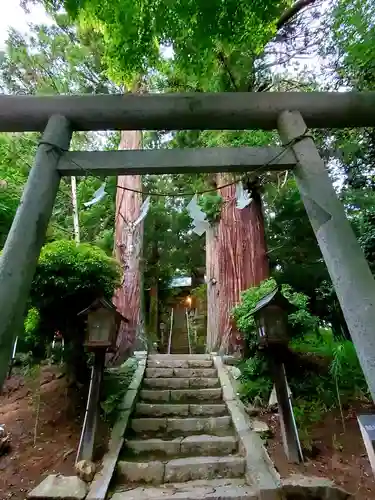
307, 413
300, 322
68, 278
323, 374
211, 204
115, 385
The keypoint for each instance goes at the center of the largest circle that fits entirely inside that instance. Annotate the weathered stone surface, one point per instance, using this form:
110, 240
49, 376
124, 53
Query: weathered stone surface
85, 470
120, 426
260, 470
208, 410
159, 395
137, 377
166, 383
306, 487
140, 472
149, 424
162, 410
58, 487
199, 424
189, 357
195, 372
200, 363
196, 395
171, 447
229, 393
129, 400
99, 486
190, 469
209, 445
202, 382
216, 489
259, 426
159, 372
168, 363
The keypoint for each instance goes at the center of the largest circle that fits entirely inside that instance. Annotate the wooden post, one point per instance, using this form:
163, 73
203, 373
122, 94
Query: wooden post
292, 446
26, 236
87, 441
346, 263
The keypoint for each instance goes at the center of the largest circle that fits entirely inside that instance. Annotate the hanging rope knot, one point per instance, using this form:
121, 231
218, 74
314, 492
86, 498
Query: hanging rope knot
306, 134
53, 147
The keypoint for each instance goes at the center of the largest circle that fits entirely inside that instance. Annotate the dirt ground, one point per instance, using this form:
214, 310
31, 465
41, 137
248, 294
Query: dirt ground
338, 456
61, 413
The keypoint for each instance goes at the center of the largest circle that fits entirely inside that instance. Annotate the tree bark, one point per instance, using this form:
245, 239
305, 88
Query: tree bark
236, 259
128, 251
212, 276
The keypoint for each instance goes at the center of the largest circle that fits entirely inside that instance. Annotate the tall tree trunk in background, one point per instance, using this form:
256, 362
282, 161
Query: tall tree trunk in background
128, 251
236, 260
213, 288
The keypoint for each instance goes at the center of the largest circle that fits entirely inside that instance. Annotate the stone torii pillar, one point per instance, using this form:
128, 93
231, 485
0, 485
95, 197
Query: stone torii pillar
27, 234
345, 261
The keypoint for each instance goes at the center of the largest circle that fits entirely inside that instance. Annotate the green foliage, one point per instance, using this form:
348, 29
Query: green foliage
354, 33
115, 385
211, 204
15, 156
307, 413
200, 293
323, 374
201, 34
256, 383
300, 321
67, 279
31, 329
73, 273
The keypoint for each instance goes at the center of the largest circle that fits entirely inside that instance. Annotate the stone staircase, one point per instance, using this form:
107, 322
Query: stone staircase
180, 442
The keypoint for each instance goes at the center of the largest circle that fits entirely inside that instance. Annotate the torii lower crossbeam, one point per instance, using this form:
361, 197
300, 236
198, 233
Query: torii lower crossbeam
181, 161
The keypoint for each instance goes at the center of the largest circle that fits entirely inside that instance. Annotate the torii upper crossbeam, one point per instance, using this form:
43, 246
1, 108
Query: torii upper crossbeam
211, 111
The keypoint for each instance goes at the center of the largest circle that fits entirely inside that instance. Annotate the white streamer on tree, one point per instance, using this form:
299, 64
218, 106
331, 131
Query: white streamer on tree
242, 196
199, 217
97, 196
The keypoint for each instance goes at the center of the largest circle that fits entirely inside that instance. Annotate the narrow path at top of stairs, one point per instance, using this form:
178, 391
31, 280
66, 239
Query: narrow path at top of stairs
180, 442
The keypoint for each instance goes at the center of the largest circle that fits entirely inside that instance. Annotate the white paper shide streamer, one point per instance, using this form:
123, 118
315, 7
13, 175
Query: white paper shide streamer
97, 196
143, 212
242, 196
200, 222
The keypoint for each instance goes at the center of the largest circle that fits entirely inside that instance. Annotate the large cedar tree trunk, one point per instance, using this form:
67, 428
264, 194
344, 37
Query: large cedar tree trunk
128, 251
236, 259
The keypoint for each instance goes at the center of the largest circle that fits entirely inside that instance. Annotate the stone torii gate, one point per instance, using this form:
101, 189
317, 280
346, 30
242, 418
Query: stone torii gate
291, 113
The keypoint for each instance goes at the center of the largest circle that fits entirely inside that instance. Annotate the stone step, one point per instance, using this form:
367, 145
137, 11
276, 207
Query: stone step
181, 372
191, 469
179, 361
180, 469
200, 445
182, 426
181, 410
216, 489
180, 383
180, 356
181, 396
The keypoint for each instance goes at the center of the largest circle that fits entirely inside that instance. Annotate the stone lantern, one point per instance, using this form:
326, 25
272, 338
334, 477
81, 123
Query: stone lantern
103, 323
271, 319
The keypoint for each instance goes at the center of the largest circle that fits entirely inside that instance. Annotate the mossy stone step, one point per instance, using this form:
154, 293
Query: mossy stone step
180, 469
200, 445
211, 395
181, 410
181, 383
188, 425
